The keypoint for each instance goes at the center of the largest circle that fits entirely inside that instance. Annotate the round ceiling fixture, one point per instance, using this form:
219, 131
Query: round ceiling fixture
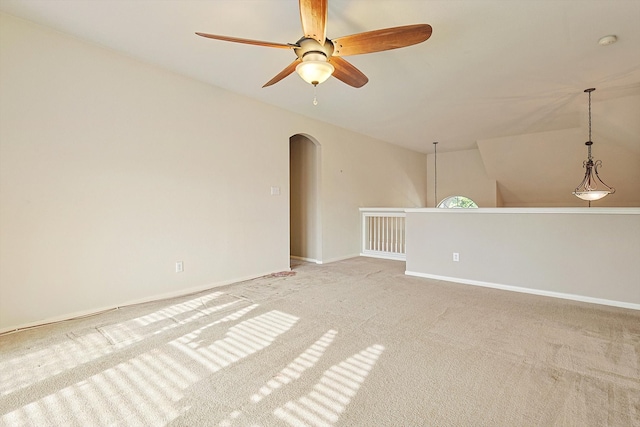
607, 40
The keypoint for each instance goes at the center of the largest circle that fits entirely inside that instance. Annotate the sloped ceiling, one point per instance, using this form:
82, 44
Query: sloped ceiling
490, 69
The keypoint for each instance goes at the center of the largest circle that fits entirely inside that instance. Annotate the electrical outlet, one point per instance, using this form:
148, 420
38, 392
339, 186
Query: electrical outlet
456, 256
179, 267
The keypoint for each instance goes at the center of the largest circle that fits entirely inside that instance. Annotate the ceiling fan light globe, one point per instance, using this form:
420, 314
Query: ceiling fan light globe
315, 72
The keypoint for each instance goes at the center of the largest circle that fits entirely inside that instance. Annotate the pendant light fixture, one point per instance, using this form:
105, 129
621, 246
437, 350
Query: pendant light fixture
592, 187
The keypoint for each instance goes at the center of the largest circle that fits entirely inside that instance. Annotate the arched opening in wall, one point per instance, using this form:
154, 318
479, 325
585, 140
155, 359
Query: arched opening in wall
304, 199
457, 202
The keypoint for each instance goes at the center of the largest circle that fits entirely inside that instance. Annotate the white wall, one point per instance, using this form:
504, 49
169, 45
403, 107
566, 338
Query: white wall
581, 253
111, 170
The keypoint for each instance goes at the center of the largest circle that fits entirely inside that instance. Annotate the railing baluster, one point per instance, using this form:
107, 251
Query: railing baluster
384, 234
401, 250
395, 239
389, 234
388, 248
383, 242
404, 235
399, 242
375, 233
381, 247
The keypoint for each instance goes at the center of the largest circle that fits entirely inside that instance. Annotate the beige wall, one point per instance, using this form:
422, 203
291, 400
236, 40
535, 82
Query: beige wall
364, 173
112, 170
460, 173
357, 171
306, 237
584, 253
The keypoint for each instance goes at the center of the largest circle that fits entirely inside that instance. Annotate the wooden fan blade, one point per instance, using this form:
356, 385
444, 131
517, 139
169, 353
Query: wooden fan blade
347, 73
284, 73
379, 40
247, 41
313, 14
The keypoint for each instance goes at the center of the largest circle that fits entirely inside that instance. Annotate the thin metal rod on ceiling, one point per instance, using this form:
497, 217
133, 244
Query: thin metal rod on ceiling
435, 173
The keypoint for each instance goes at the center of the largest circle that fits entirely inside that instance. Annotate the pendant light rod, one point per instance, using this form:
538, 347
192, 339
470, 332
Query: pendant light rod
435, 173
589, 143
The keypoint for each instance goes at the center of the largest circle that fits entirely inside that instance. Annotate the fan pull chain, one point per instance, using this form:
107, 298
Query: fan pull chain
315, 94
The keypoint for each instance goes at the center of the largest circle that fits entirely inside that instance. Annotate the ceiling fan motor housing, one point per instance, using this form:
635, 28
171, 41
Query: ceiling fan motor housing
313, 50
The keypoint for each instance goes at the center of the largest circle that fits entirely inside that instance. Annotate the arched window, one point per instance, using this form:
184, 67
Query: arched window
457, 202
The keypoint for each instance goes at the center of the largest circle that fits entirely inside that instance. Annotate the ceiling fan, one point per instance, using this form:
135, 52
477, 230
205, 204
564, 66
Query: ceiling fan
319, 57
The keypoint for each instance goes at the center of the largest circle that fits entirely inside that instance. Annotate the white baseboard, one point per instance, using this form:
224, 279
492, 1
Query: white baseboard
305, 259
317, 261
159, 297
327, 261
388, 255
541, 292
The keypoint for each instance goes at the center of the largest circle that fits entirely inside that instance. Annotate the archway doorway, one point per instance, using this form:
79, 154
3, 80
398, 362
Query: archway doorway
304, 184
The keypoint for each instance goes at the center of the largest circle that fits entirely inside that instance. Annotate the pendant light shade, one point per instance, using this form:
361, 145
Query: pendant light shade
592, 187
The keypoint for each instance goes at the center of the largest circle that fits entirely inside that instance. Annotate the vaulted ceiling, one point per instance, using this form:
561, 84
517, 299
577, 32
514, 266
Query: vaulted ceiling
492, 68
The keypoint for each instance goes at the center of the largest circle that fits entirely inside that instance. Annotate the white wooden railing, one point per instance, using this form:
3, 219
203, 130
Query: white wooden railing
383, 233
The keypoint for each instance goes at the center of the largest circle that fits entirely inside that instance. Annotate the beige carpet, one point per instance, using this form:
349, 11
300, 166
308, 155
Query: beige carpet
352, 343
